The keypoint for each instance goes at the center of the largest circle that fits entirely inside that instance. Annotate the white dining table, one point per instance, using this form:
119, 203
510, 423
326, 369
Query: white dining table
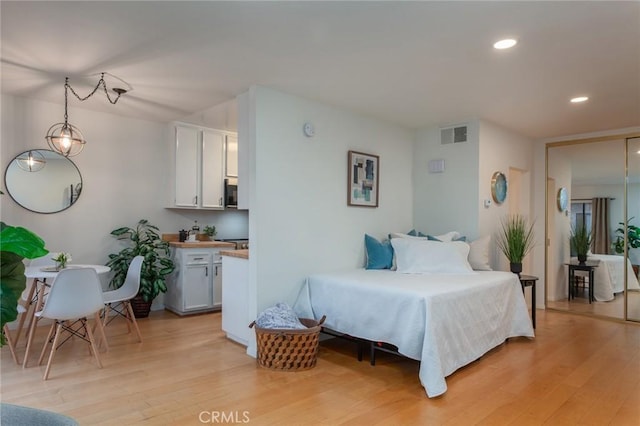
44, 276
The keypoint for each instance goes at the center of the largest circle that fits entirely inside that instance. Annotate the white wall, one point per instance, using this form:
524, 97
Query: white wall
300, 223
123, 168
446, 201
502, 150
453, 200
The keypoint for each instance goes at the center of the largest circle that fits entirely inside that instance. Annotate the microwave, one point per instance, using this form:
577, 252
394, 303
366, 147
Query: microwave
231, 193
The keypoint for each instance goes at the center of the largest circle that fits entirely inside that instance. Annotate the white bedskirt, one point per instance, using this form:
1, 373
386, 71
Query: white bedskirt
445, 321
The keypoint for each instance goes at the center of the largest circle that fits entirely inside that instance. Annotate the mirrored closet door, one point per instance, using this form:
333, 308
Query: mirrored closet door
592, 185
633, 228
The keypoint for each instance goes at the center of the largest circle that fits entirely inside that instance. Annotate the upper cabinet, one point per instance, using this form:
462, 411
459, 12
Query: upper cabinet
200, 163
231, 162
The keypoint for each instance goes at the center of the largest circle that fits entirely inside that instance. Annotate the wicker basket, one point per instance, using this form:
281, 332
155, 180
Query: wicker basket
288, 350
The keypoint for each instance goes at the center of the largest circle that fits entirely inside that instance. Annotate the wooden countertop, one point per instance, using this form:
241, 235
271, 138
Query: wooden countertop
202, 242
242, 254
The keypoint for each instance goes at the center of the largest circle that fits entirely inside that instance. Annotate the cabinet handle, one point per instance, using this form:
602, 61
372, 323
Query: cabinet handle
198, 258
206, 271
196, 199
220, 200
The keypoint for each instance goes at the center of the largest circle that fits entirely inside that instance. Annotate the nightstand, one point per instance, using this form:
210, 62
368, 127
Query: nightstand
530, 281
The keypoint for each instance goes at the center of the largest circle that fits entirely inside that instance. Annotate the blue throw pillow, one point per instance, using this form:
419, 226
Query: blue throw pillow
379, 254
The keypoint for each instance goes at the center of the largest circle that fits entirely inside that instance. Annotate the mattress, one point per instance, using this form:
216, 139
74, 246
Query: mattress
445, 321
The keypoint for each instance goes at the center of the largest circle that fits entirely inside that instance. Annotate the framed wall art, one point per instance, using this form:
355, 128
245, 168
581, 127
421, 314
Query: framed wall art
499, 187
362, 187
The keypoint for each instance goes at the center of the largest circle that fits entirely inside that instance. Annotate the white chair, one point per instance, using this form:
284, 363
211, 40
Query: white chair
76, 295
120, 300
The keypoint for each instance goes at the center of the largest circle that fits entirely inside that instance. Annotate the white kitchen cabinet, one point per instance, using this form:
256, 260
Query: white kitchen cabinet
231, 149
199, 167
191, 288
212, 169
235, 299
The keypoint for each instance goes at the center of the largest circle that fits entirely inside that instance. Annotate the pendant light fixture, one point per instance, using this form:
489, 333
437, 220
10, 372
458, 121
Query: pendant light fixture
31, 161
67, 139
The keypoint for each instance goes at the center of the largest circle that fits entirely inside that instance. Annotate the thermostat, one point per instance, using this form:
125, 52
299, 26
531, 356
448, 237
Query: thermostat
308, 129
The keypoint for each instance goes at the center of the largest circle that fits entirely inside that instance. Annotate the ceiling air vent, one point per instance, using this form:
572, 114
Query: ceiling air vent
454, 134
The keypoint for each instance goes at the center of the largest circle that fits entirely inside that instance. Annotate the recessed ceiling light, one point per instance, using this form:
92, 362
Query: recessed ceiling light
579, 99
505, 44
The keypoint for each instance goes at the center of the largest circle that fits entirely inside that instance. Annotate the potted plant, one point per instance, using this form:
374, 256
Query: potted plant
210, 231
142, 240
16, 244
633, 236
515, 240
580, 241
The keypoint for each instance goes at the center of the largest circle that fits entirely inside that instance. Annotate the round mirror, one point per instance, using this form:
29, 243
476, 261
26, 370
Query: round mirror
43, 181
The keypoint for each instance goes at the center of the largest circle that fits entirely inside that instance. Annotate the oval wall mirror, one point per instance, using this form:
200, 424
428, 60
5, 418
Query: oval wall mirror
43, 181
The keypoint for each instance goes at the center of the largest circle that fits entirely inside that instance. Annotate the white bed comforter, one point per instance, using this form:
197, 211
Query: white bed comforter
445, 321
608, 276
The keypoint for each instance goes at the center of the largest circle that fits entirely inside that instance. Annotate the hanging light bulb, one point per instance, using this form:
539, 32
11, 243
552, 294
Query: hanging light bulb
66, 138
31, 161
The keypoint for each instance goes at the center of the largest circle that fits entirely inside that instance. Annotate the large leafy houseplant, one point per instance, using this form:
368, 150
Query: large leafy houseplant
143, 240
16, 244
633, 235
580, 241
515, 240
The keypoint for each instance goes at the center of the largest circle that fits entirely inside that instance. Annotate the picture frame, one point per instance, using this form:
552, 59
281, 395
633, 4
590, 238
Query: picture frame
363, 179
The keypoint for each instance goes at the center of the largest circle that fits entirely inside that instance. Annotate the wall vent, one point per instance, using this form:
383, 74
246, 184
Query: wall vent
456, 134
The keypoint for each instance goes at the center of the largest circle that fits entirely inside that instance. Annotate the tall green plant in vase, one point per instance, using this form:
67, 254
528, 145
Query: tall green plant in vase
580, 241
143, 240
515, 240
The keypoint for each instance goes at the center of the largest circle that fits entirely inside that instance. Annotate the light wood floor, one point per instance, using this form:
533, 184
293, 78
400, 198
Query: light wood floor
578, 370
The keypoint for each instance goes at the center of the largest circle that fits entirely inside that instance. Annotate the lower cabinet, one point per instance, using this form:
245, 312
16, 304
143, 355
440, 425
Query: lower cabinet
235, 294
191, 288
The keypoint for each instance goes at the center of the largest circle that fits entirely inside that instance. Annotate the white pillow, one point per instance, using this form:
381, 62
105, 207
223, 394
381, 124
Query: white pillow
424, 256
449, 236
399, 235
479, 254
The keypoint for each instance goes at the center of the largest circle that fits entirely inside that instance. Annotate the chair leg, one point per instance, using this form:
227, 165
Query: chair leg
32, 331
132, 318
10, 343
53, 350
100, 326
28, 307
92, 342
46, 343
105, 314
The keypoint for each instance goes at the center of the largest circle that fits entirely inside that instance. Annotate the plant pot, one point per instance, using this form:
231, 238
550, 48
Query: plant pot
140, 307
582, 258
516, 268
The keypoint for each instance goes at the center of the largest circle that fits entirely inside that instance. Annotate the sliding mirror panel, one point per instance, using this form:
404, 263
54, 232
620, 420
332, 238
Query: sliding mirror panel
633, 228
591, 175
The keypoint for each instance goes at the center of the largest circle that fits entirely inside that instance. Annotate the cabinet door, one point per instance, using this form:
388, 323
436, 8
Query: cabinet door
197, 287
232, 156
187, 145
212, 170
217, 285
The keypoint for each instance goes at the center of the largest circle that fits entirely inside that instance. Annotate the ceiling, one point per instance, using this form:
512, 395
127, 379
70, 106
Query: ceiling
416, 64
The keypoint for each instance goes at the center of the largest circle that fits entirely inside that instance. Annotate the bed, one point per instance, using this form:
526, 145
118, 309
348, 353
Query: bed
443, 320
608, 277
